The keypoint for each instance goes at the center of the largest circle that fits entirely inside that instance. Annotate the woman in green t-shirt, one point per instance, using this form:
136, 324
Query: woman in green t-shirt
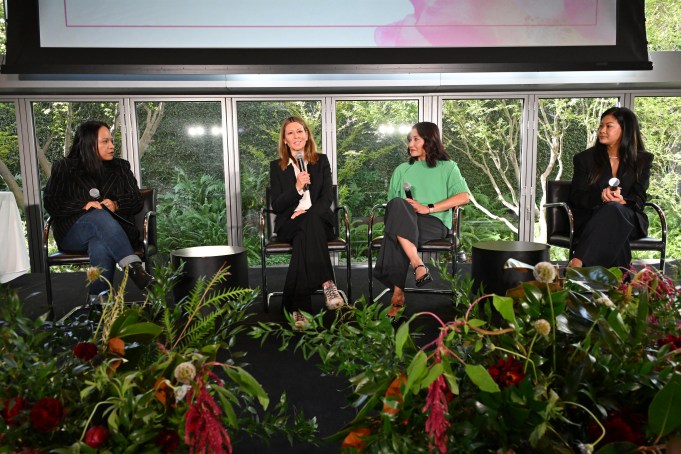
421, 195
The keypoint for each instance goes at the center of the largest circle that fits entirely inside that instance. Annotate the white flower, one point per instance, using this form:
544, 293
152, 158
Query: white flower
185, 372
542, 327
544, 272
604, 300
181, 391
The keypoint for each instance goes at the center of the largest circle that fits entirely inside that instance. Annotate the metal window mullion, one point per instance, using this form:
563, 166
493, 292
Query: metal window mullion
528, 174
129, 134
31, 187
230, 147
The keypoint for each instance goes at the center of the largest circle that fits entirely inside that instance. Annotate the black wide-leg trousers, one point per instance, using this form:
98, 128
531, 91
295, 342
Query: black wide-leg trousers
392, 263
604, 240
310, 263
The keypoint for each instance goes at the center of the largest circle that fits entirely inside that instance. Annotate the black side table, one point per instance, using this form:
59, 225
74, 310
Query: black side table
205, 261
489, 258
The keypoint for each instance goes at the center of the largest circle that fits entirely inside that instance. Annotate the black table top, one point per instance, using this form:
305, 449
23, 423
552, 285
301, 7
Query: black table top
510, 246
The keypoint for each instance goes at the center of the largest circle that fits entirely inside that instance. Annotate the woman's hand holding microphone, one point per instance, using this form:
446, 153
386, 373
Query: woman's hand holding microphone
612, 193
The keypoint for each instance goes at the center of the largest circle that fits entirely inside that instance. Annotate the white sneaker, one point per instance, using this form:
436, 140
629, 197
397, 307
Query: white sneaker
300, 322
332, 297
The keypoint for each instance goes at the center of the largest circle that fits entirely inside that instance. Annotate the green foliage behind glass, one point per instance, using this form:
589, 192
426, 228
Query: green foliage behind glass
192, 214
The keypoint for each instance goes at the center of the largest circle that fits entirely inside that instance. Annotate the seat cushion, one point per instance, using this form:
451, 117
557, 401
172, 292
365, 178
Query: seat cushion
273, 246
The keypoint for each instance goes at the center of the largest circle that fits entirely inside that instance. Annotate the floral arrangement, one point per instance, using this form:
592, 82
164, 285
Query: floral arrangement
589, 362
154, 378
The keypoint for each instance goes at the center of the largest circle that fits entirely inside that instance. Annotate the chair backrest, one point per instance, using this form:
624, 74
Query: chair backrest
270, 216
557, 221
149, 204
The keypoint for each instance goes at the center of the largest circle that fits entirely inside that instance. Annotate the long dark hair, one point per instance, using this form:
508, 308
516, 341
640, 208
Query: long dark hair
432, 143
85, 147
630, 145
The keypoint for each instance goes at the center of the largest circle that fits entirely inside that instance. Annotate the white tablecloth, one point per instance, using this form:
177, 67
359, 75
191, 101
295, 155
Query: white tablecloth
13, 253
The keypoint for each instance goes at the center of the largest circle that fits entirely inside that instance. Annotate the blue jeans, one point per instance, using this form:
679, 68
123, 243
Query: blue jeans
105, 241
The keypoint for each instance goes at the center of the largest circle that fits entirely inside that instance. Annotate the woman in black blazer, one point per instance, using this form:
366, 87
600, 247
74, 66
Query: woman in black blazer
606, 216
92, 198
301, 199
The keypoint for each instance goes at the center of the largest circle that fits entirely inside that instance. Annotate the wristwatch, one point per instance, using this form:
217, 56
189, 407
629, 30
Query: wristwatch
431, 208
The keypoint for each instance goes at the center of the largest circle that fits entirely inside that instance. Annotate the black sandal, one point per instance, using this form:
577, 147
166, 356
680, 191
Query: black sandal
393, 314
425, 278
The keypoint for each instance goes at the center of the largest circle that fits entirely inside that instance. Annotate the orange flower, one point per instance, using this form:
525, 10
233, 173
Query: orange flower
393, 396
355, 439
164, 392
117, 346
113, 366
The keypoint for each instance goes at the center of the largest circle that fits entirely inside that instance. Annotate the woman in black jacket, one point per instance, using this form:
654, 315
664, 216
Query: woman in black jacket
92, 198
608, 192
301, 199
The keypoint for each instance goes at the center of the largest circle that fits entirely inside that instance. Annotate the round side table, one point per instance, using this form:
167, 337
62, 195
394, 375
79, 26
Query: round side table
489, 258
204, 262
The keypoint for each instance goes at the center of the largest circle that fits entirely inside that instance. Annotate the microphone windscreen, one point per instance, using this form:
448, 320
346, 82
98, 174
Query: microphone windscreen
407, 189
614, 183
94, 193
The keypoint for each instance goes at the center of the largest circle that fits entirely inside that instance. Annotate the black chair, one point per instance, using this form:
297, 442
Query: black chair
450, 244
145, 221
270, 245
560, 224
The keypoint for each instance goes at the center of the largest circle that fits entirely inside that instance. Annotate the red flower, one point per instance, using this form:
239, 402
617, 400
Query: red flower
436, 407
12, 408
85, 351
96, 436
507, 372
203, 430
675, 341
624, 425
47, 414
168, 440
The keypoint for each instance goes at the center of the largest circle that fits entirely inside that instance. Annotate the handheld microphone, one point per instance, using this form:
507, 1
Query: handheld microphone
301, 165
94, 193
613, 183
407, 189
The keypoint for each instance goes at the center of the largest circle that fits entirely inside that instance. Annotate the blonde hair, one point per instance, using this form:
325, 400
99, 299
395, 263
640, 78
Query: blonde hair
309, 152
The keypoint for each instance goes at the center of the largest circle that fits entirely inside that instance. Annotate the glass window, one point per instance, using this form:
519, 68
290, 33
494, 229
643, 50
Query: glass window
483, 137
258, 124
3, 29
660, 120
10, 168
371, 142
663, 24
181, 156
566, 127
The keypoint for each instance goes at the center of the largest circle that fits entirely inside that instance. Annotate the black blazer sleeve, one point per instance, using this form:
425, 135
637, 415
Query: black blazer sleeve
60, 197
584, 196
285, 197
